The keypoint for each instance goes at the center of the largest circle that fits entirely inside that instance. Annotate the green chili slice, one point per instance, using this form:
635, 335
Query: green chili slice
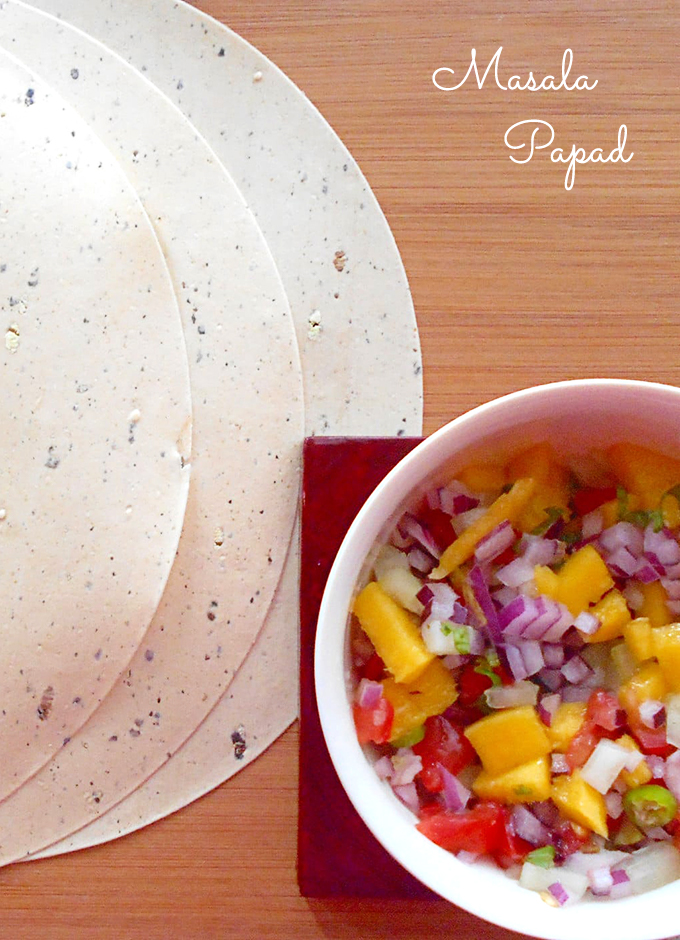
650, 805
410, 738
543, 857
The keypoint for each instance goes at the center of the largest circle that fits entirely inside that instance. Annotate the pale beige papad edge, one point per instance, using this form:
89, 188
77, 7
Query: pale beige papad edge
96, 429
248, 428
261, 702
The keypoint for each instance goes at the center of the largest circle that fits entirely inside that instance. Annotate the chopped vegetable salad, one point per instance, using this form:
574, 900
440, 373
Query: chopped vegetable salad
517, 668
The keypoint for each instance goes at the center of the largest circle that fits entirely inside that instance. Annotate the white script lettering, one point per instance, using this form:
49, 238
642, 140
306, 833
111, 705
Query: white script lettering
515, 82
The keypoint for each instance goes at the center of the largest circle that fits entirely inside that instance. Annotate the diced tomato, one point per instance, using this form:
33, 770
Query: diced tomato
651, 740
375, 723
374, 669
472, 684
582, 745
604, 710
443, 744
592, 497
511, 849
438, 524
475, 830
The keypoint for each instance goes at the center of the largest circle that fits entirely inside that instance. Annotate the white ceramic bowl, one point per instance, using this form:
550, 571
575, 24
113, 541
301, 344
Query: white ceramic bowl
575, 416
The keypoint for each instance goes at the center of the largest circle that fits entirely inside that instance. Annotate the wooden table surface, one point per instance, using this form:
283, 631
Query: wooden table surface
516, 281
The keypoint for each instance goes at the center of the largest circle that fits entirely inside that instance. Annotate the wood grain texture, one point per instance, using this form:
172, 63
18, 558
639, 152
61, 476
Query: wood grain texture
515, 282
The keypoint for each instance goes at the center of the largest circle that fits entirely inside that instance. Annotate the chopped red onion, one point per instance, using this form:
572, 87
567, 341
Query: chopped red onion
672, 588
503, 596
657, 766
515, 617
546, 812
622, 562
674, 607
383, 767
552, 679
614, 803
528, 827
420, 560
601, 881
517, 572
452, 499
541, 551
559, 892
456, 795
368, 693
592, 524
673, 571
658, 834
622, 535
496, 542
661, 547
652, 713
408, 794
547, 707
464, 520
587, 623
409, 526
553, 654
575, 693
634, 597
559, 629
547, 615
480, 589
645, 572
621, 886
576, 670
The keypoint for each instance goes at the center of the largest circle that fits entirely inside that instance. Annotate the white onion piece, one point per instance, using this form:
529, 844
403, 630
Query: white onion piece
657, 766
402, 586
507, 696
585, 862
653, 866
671, 774
406, 765
408, 795
536, 878
439, 638
387, 558
553, 654
673, 720
550, 703
606, 763
420, 560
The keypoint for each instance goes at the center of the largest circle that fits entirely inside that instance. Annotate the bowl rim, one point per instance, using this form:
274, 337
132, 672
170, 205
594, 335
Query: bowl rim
389, 821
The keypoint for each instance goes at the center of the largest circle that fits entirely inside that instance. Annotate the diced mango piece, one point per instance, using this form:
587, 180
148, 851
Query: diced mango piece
666, 648
508, 506
546, 580
580, 802
670, 510
483, 478
654, 605
524, 784
644, 472
646, 683
540, 462
613, 614
393, 631
566, 722
581, 581
642, 774
638, 636
508, 738
430, 694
